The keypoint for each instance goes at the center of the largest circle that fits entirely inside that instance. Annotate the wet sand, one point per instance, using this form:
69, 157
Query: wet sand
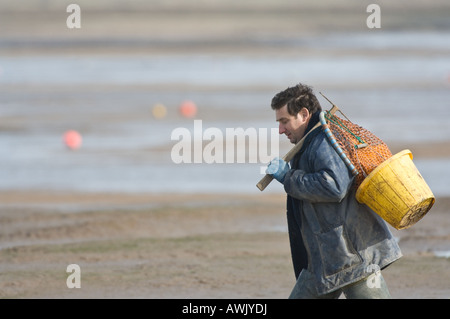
180, 246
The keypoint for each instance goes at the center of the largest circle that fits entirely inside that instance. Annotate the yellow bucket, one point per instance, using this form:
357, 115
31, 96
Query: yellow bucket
396, 191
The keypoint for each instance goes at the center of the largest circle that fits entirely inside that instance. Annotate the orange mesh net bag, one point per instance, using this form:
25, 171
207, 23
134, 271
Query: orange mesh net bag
363, 149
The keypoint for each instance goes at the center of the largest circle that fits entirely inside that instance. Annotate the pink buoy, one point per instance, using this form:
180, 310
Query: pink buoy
72, 139
188, 109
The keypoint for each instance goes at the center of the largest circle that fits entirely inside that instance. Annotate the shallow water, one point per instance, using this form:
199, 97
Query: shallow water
108, 99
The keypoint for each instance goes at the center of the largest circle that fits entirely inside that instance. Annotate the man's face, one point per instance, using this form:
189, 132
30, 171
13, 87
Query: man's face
293, 127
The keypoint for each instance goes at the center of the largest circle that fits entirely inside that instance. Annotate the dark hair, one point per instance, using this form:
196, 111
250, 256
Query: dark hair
296, 98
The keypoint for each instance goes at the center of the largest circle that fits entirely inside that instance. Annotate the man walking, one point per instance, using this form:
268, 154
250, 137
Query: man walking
337, 244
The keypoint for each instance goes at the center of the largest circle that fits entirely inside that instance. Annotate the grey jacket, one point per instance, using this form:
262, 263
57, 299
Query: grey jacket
336, 238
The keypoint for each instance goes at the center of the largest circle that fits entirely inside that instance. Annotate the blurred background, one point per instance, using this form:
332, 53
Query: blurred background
121, 79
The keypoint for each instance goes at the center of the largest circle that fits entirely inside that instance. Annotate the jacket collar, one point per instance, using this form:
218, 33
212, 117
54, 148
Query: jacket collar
313, 121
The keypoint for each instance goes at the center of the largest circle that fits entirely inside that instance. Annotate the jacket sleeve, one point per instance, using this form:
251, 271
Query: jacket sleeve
325, 177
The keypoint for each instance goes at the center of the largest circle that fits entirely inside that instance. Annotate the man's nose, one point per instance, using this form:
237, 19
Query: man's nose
281, 129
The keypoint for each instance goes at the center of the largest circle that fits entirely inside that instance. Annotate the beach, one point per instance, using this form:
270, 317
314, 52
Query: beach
175, 246
138, 223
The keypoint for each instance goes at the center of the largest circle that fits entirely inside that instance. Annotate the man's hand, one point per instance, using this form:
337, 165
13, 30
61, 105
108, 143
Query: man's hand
278, 169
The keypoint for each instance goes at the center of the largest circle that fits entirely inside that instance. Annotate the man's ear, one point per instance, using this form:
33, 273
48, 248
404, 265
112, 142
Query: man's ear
304, 113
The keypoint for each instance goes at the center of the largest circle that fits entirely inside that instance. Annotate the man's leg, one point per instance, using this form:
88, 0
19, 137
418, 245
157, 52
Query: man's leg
305, 288
372, 287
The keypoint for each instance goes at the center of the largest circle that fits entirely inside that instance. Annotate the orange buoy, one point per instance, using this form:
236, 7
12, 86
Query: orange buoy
159, 111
